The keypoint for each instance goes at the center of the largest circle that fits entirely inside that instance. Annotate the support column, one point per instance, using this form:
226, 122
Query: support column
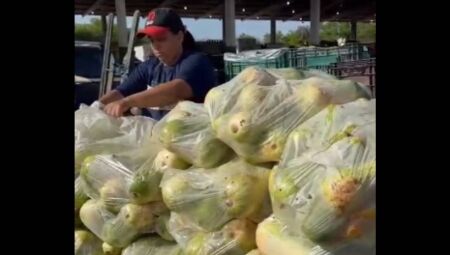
104, 27
122, 31
229, 24
315, 22
273, 30
353, 30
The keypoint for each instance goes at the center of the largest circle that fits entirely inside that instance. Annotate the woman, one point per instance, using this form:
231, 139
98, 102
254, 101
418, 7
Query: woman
176, 71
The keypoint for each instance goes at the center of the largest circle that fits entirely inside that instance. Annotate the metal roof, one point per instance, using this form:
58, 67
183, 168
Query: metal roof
331, 10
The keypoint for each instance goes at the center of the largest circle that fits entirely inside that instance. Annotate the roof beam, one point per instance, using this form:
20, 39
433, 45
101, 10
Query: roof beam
212, 11
167, 3
93, 7
357, 12
297, 16
270, 10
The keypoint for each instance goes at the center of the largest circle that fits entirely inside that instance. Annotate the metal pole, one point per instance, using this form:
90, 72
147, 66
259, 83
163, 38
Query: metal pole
315, 22
230, 24
129, 55
273, 30
106, 55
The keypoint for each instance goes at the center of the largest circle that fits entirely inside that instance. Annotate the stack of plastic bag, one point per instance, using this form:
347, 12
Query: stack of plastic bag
117, 193
236, 237
277, 161
98, 133
323, 190
126, 202
210, 198
255, 112
186, 131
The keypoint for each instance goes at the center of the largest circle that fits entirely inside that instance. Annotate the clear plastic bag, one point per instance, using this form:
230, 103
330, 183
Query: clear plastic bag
106, 179
237, 237
329, 126
186, 131
120, 230
120, 179
255, 112
92, 124
212, 197
80, 199
98, 133
274, 238
329, 195
87, 243
152, 245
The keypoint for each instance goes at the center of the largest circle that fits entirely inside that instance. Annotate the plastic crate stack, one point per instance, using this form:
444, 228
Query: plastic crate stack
302, 58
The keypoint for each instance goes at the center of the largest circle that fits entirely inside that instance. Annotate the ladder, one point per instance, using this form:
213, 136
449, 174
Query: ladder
109, 64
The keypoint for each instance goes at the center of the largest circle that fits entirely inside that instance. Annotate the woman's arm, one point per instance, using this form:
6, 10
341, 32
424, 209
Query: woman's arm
111, 96
162, 95
165, 94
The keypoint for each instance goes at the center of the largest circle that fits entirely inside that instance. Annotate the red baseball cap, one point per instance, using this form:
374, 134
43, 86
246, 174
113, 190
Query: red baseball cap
159, 22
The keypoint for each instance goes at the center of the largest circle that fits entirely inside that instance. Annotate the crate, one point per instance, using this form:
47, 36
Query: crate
308, 57
321, 60
235, 63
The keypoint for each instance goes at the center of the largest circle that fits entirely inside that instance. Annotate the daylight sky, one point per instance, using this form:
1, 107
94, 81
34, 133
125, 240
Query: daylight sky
212, 28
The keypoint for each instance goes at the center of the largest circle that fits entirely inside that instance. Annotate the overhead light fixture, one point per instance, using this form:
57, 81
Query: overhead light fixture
293, 11
337, 13
300, 18
92, 12
257, 17
243, 9
288, 3
210, 16
185, 7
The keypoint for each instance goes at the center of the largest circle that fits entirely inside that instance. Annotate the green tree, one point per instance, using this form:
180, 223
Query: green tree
93, 31
295, 38
366, 32
246, 36
278, 38
331, 31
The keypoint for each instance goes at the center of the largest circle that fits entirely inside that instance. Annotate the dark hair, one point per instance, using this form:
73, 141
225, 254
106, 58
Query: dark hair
189, 41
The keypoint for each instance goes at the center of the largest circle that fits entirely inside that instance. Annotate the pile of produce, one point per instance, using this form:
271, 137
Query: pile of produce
276, 161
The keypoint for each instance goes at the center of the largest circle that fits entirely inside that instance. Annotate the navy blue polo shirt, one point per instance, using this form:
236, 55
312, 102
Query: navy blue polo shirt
192, 67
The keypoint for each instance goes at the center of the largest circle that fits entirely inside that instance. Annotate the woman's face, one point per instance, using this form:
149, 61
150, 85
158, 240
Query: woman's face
168, 47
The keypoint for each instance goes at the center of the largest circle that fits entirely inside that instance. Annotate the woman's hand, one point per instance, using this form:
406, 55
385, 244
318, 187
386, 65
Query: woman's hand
117, 108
